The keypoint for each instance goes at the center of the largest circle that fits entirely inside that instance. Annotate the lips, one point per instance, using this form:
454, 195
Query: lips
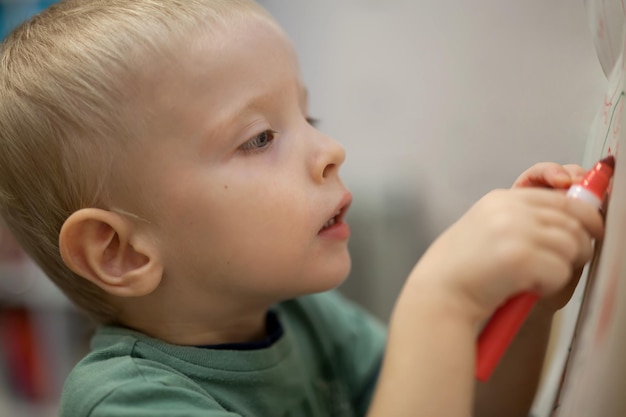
340, 212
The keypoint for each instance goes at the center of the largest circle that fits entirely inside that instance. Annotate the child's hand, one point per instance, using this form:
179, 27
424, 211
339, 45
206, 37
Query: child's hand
553, 175
510, 241
550, 175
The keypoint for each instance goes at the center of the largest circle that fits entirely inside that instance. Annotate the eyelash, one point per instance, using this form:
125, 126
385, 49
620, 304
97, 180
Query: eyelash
313, 121
253, 144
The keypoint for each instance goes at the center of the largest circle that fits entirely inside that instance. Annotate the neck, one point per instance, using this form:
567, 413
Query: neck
181, 325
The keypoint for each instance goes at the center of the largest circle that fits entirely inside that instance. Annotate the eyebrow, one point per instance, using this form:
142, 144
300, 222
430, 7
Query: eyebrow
252, 102
230, 116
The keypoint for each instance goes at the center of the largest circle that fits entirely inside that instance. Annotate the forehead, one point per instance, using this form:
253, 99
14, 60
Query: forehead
220, 70
245, 52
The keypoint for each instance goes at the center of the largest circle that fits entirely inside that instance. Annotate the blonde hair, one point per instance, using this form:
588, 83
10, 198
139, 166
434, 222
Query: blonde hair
68, 104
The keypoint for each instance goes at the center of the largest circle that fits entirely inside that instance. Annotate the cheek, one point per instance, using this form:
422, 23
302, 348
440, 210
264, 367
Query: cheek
242, 216
271, 218
249, 217
267, 223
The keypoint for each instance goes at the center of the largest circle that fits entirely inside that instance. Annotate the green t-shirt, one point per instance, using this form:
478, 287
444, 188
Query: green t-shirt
324, 364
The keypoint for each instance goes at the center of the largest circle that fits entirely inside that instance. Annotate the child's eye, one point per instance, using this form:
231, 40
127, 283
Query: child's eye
259, 142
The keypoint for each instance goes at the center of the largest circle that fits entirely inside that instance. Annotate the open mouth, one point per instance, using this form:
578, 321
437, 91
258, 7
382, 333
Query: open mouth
332, 220
339, 215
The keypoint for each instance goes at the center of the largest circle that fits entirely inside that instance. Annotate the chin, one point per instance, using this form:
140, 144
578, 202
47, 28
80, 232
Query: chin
330, 280
316, 279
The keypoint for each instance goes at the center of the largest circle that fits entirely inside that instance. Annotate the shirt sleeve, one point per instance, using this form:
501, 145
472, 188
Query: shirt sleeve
150, 399
134, 387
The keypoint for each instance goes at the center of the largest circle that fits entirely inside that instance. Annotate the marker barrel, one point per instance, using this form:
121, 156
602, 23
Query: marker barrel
500, 331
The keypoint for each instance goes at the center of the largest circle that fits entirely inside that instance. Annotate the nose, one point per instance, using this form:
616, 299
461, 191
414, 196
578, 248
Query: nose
328, 158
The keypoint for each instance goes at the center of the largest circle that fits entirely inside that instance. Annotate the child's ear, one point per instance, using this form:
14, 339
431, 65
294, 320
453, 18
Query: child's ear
109, 250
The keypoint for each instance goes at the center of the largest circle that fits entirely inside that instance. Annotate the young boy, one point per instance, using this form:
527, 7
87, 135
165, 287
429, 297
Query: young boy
157, 161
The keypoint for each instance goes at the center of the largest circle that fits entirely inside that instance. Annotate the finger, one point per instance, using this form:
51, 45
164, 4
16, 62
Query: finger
589, 217
557, 210
542, 197
544, 174
549, 272
585, 247
576, 172
585, 250
559, 241
566, 238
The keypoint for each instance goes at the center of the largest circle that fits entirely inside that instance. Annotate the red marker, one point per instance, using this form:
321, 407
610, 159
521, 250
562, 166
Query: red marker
501, 329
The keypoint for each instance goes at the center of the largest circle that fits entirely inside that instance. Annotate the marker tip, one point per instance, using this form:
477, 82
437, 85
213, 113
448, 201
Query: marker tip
609, 160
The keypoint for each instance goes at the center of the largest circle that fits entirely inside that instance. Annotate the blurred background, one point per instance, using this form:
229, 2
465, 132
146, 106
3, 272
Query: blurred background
436, 104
